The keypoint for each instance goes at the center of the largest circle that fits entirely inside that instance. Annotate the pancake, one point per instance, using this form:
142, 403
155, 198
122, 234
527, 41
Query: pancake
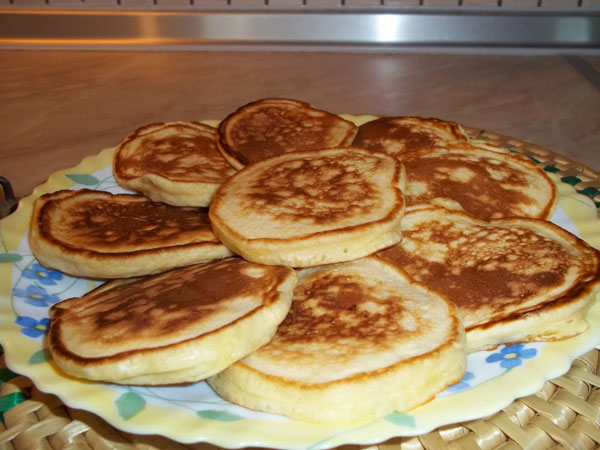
179, 326
175, 162
513, 279
309, 208
274, 126
398, 135
361, 340
486, 183
87, 233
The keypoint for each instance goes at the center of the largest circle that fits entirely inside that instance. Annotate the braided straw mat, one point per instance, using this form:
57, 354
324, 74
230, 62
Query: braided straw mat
565, 413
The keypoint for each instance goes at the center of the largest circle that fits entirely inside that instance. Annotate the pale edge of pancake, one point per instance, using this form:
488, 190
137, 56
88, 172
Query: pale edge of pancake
187, 361
160, 189
92, 264
318, 249
559, 319
366, 396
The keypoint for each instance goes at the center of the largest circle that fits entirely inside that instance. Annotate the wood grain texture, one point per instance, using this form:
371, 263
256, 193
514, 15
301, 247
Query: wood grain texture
60, 106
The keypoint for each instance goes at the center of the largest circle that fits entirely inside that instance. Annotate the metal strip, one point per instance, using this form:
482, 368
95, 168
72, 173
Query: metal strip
357, 28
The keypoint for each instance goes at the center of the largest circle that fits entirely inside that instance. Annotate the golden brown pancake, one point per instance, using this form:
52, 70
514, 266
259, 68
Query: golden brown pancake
487, 184
309, 208
398, 135
361, 340
505, 275
175, 162
96, 234
180, 326
274, 126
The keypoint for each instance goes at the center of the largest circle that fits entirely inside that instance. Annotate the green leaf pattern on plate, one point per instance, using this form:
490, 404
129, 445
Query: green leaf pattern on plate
102, 180
130, 404
41, 356
221, 416
84, 178
401, 419
10, 257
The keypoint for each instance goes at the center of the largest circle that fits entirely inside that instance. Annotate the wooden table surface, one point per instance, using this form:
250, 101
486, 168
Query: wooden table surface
59, 106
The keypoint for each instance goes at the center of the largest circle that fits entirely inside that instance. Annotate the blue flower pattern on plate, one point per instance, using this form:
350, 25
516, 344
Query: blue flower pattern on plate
512, 356
33, 328
36, 296
462, 384
41, 274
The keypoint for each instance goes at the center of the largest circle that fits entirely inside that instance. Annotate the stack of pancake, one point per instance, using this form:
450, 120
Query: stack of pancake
307, 266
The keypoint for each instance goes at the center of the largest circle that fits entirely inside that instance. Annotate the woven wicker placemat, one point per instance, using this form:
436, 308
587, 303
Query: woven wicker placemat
563, 414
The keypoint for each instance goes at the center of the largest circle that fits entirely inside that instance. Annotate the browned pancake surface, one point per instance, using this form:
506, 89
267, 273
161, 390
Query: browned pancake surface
178, 151
338, 307
486, 184
354, 318
327, 190
101, 221
397, 135
273, 127
491, 270
161, 309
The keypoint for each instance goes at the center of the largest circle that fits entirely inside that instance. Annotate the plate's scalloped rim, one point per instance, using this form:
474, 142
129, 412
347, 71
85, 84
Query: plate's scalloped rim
97, 398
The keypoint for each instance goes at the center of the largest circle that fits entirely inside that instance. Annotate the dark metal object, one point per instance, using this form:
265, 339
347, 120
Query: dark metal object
10, 201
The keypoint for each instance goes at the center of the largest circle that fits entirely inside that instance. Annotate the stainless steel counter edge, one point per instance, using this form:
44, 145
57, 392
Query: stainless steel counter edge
362, 29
